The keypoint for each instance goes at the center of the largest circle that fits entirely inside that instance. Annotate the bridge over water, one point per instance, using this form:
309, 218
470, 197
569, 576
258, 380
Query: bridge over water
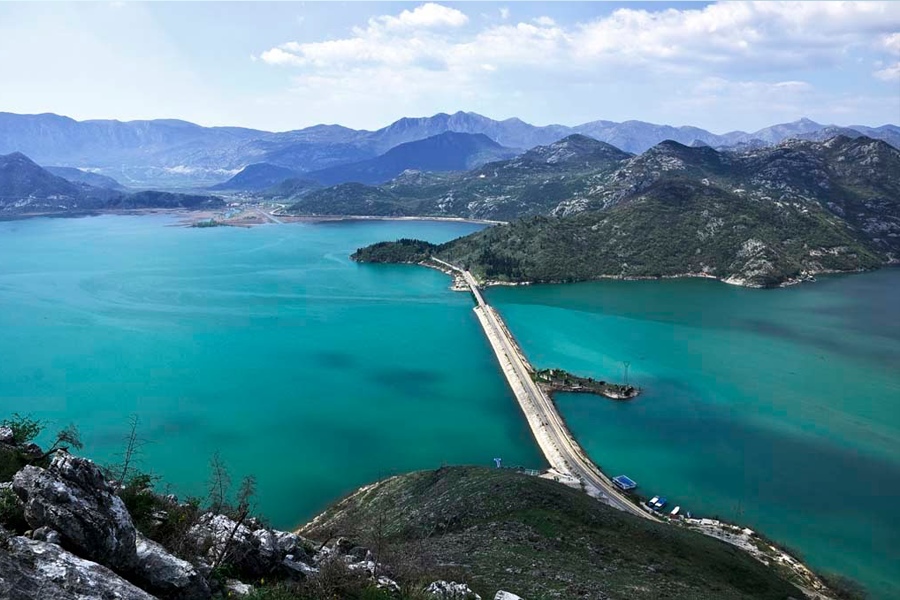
568, 461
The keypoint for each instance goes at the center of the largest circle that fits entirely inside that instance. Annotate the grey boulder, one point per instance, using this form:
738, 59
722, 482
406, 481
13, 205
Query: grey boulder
45, 534
167, 575
35, 570
73, 498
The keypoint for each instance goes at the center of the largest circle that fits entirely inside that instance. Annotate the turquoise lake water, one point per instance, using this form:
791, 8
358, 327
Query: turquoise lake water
776, 408
267, 345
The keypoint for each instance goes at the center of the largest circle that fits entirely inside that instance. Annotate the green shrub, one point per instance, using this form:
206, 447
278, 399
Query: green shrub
11, 460
24, 428
12, 514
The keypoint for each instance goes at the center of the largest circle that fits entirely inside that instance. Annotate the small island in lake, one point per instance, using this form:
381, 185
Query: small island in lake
558, 380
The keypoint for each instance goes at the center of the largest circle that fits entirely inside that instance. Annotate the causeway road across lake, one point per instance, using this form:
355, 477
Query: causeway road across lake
566, 457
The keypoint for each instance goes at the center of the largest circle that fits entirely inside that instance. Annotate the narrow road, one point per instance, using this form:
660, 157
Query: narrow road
270, 217
560, 449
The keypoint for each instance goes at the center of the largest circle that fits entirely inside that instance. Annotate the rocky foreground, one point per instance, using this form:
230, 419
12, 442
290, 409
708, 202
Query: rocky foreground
68, 531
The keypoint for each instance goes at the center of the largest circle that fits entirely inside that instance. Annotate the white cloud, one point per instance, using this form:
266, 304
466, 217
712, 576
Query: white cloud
773, 35
426, 15
889, 73
891, 43
426, 53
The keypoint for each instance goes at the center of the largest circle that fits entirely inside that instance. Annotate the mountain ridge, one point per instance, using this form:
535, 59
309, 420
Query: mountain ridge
175, 153
446, 151
758, 218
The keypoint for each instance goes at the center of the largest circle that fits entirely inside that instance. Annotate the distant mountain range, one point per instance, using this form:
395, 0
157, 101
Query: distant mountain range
758, 217
27, 188
447, 151
171, 153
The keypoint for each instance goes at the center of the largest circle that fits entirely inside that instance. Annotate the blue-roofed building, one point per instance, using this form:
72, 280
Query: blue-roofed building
624, 482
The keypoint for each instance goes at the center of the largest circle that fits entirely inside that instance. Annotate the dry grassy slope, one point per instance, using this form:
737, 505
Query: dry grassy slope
540, 539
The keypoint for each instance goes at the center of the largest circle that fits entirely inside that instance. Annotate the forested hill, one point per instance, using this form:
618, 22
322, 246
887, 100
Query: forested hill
759, 218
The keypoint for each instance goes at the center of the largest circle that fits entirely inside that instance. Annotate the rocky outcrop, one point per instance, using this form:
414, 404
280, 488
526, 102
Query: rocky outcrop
501, 595
73, 498
254, 553
6, 435
450, 590
45, 534
32, 569
166, 575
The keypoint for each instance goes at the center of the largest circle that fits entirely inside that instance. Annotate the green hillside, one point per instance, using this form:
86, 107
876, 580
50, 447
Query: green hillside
539, 539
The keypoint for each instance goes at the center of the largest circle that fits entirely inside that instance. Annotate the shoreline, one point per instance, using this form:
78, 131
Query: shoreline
337, 218
193, 216
734, 281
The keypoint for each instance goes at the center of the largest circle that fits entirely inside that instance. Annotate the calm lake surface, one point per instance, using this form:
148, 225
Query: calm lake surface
776, 408
268, 345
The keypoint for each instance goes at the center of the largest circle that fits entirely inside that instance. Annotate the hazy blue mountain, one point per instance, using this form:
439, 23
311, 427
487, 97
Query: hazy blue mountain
447, 151
255, 177
557, 177
513, 133
887, 133
172, 153
783, 131
291, 189
135, 153
28, 188
79, 176
21, 180
305, 156
637, 136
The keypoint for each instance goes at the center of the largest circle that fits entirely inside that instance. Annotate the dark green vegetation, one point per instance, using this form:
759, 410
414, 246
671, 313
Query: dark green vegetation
206, 224
448, 151
559, 380
21, 449
402, 251
760, 218
26, 188
540, 539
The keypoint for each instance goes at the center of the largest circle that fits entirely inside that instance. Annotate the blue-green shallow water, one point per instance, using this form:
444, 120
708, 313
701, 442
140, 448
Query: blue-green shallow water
269, 345
777, 408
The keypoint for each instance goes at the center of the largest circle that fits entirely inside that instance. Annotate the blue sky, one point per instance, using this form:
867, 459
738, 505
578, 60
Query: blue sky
285, 65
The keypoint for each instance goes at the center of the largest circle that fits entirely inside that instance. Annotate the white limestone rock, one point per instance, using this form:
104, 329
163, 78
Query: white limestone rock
32, 569
167, 575
73, 498
450, 590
